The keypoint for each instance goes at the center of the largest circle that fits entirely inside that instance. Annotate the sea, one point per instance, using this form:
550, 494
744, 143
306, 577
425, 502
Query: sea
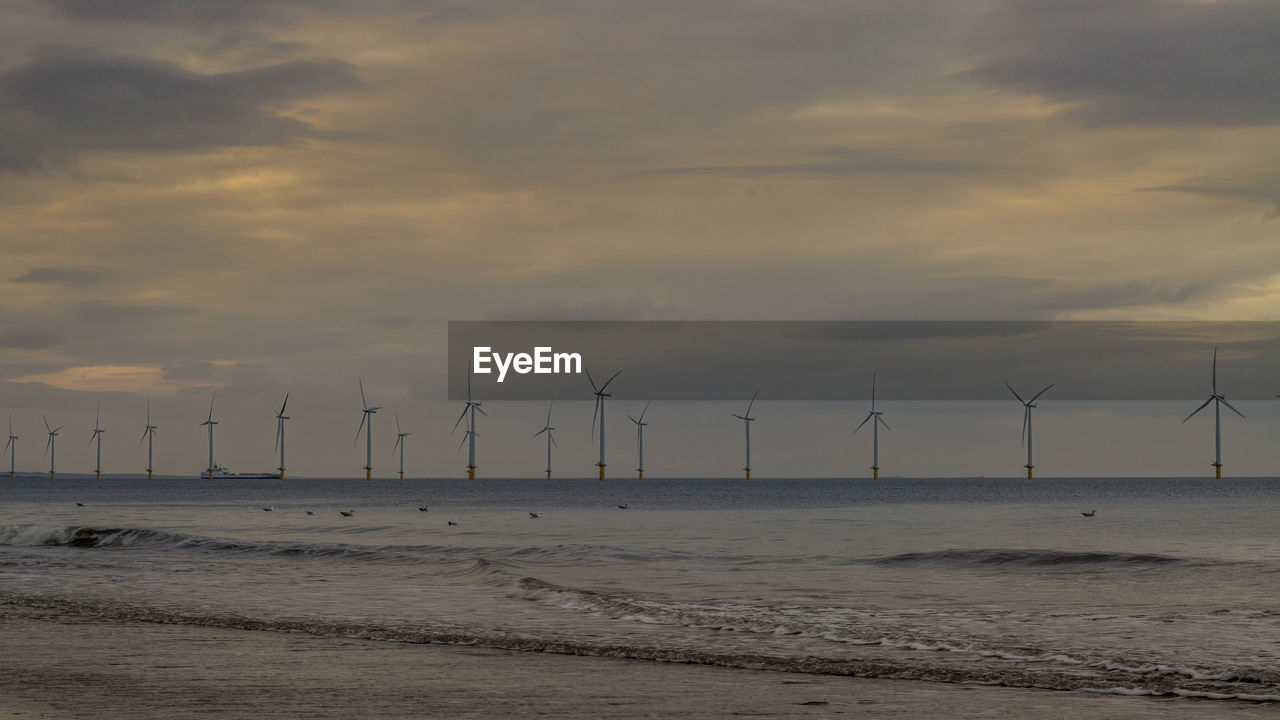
1171, 588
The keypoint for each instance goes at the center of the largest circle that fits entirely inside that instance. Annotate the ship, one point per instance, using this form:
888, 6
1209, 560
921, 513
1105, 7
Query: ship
220, 472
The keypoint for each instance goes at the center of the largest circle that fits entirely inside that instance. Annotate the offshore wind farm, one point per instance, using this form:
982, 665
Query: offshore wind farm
472, 406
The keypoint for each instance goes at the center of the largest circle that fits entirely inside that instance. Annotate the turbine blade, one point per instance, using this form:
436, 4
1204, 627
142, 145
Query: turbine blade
740, 417
285, 404
610, 380
397, 422
753, 401
595, 411
464, 440
276, 446
1015, 393
144, 437
363, 417
873, 391
633, 420
645, 410
553, 440
464, 414
594, 389
538, 433
46, 423
396, 446
1215, 371
46, 445
1224, 402
553, 402
481, 410
882, 422
1026, 416
1033, 397
864, 422
363, 403
1206, 404
211, 399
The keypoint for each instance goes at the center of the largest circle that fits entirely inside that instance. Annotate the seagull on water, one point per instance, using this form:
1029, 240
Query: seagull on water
534, 515
346, 513
452, 522
269, 509
311, 512
1091, 513
622, 507
424, 508
79, 504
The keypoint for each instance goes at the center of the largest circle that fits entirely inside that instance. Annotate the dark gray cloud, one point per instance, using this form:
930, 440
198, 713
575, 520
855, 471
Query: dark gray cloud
62, 275
29, 338
843, 162
63, 102
1157, 62
1261, 190
190, 12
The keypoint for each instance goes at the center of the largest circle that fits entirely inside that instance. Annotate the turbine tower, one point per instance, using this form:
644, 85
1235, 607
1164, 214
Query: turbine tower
470, 435
211, 422
1218, 400
547, 428
11, 447
1026, 421
280, 418
49, 447
97, 435
148, 433
640, 438
599, 410
366, 424
400, 436
875, 430
746, 422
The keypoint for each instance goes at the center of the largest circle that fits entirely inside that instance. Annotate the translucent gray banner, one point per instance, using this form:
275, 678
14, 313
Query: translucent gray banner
835, 360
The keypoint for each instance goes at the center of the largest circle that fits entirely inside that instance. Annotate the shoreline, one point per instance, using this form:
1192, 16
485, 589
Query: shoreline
61, 664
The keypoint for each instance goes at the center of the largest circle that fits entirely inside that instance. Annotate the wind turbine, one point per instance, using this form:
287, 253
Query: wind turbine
97, 435
1026, 421
11, 447
599, 410
49, 447
366, 423
547, 428
640, 437
1218, 400
148, 433
400, 436
470, 435
211, 422
280, 418
875, 430
746, 422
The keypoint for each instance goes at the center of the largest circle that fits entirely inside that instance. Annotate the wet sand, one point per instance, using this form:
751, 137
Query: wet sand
71, 666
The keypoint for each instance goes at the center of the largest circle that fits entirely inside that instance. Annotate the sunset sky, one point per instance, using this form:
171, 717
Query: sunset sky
270, 196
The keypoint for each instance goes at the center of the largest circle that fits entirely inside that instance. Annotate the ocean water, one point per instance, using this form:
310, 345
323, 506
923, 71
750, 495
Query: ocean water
1172, 589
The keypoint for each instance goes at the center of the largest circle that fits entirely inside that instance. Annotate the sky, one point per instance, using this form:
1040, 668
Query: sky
278, 196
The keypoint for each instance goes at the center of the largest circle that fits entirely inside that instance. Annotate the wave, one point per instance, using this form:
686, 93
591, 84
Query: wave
1033, 558
1168, 681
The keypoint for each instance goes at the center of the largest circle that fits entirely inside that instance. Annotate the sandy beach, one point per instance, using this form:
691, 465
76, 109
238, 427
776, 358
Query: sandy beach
71, 666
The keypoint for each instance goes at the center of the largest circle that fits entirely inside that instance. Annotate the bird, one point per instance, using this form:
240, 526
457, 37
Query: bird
311, 512
452, 522
424, 508
79, 504
269, 509
346, 513
622, 507
534, 515
1091, 513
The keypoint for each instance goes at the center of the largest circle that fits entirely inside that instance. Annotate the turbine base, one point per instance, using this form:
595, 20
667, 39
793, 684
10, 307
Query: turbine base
640, 474
1217, 470
148, 474
368, 473
548, 474
281, 473
601, 466
748, 472
875, 473
1029, 467
402, 475
471, 472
